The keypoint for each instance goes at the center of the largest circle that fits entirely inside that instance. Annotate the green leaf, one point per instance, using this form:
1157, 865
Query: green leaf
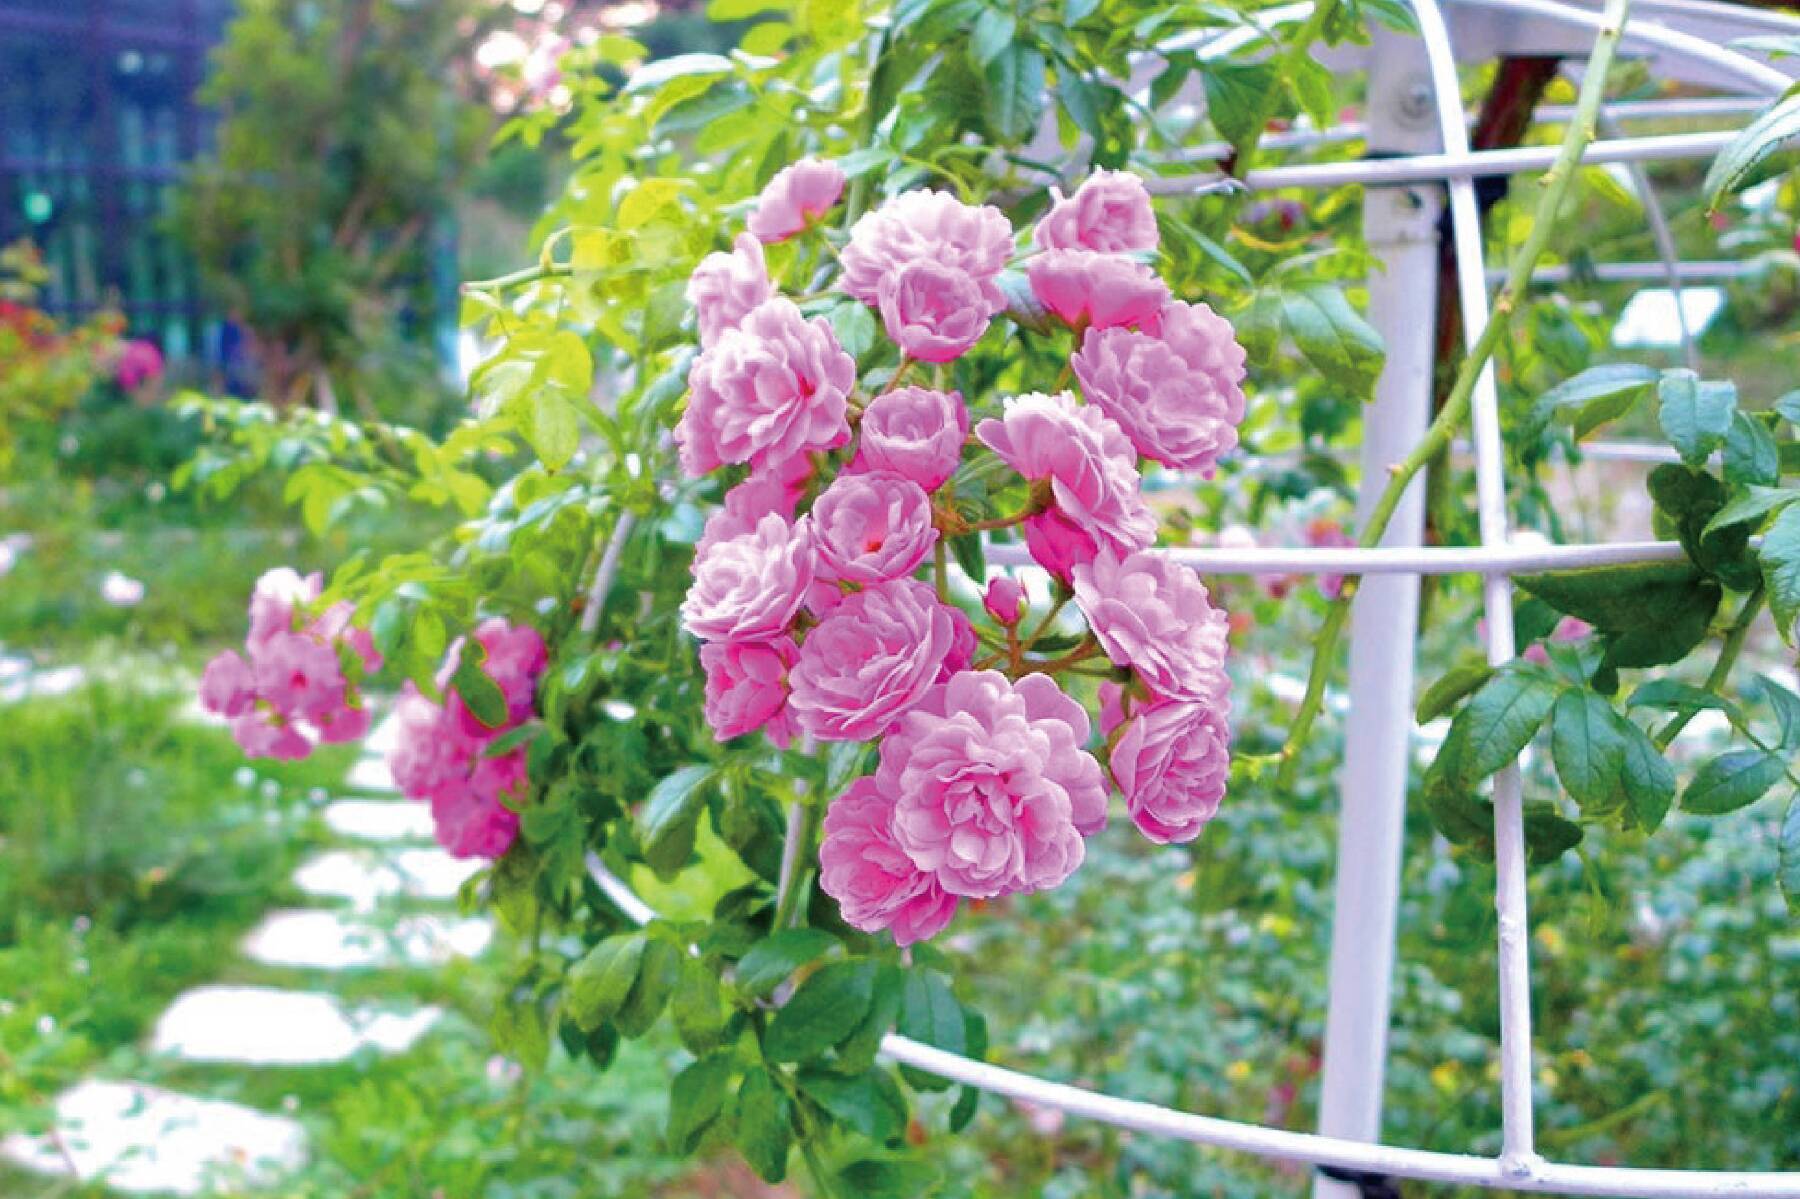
597, 986
1015, 92
1333, 337
650, 991
969, 554
1788, 405
1753, 505
1731, 781
827, 1008
1082, 100
1780, 559
1501, 719
1589, 750
1548, 834
870, 1102
480, 694
1790, 855
929, 1013
1451, 687
1240, 99
1672, 696
697, 1099
1787, 710
854, 325
992, 34
1775, 130
1695, 413
763, 1124
770, 962
666, 828
519, 1029
1690, 499
899, 1176
698, 1006
1597, 395
1653, 612
857, 1051
1751, 458
1649, 779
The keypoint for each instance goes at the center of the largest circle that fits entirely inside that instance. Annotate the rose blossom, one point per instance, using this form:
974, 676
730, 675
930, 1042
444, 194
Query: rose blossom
871, 658
1004, 600
876, 884
775, 489
798, 195
1057, 543
1112, 706
470, 821
430, 750
750, 586
927, 226
1180, 410
261, 733
272, 603
1171, 764
227, 687
767, 391
298, 675
725, 288
746, 687
1110, 212
870, 527
342, 725
934, 313
993, 788
1153, 614
914, 432
1090, 464
334, 625
1097, 291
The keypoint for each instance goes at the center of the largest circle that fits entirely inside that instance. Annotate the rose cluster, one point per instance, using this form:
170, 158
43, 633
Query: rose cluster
806, 593
443, 753
297, 678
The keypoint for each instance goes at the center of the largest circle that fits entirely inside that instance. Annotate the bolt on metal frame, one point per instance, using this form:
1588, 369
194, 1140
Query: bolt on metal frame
1371, 782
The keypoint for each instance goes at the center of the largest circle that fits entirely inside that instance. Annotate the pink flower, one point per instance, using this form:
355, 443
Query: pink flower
1005, 600
871, 658
342, 725
278, 592
914, 432
1112, 706
1569, 628
140, 362
798, 195
770, 390
748, 587
516, 656
261, 733
1180, 410
1057, 543
1153, 614
1110, 213
1329, 534
746, 687
1171, 764
227, 687
430, 749
1090, 464
871, 527
470, 824
927, 226
934, 313
876, 884
333, 625
299, 675
725, 288
776, 489
1099, 291
993, 788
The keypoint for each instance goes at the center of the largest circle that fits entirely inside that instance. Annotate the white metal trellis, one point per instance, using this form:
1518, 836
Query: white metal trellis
1689, 36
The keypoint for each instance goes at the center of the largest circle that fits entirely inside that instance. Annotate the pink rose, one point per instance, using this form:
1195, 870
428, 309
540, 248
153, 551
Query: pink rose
1005, 600
1153, 614
516, 656
261, 733
334, 625
430, 749
870, 659
470, 824
725, 288
748, 587
934, 313
871, 527
993, 788
746, 687
342, 725
1057, 543
299, 675
798, 195
914, 432
227, 687
1098, 291
1174, 411
1112, 706
876, 885
777, 489
1171, 764
1090, 464
140, 362
278, 592
1329, 534
927, 226
768, 391
1110, 213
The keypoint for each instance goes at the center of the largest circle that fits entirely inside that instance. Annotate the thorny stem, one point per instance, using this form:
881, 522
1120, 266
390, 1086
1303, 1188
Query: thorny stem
1728, 654
1450, 417
803, 827
1080, 653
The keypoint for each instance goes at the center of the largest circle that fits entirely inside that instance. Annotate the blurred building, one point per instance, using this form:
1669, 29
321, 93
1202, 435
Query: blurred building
97, 116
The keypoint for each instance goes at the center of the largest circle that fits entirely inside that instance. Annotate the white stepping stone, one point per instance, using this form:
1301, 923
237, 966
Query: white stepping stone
383, 737
319, 940
379, 819
42, 684
371, 774
265, 1026
365, 877
141, 1138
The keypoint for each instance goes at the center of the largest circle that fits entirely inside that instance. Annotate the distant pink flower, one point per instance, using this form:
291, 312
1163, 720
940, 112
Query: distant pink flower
871, 527
121, 590
746, 687
1153, 614
934, 313
871, 658
1179, 409
1569, 628
798, 195
299, 675
1110, 213
914, 432
768, 391
749, 586
725, 288
334, 624
1057, 543
1004, 599
775, 489
227, 687
261, 733
342, 725
278, 592
1329, 534
876, 884
140, 362
1098, 291
928, 226
1090, 464
1171, 764
993, 787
